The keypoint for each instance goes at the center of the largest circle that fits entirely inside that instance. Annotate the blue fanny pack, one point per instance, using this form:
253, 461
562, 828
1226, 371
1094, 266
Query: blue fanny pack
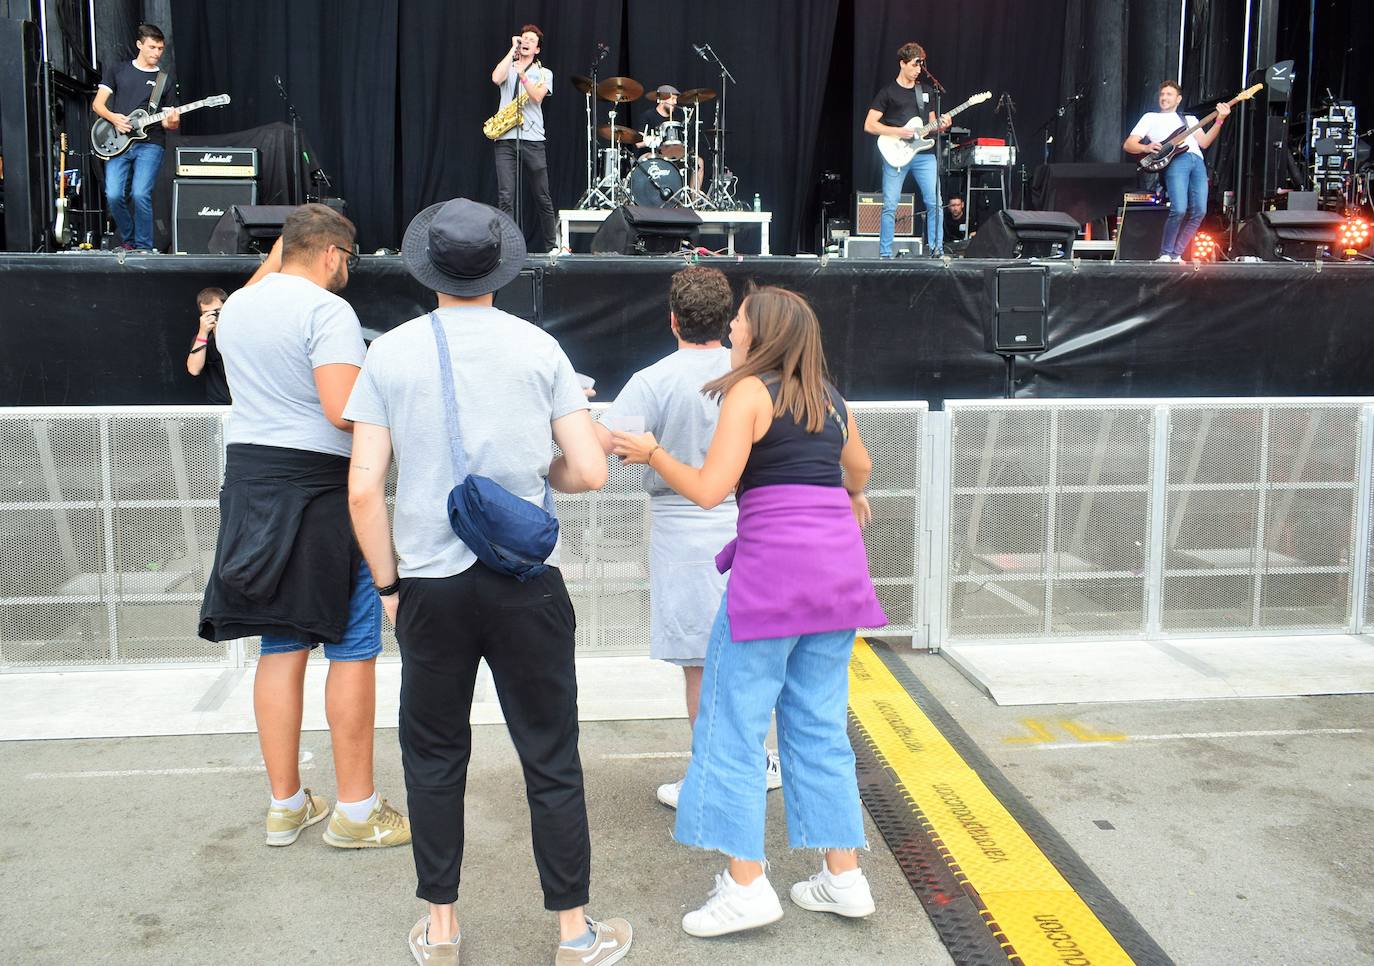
510, 535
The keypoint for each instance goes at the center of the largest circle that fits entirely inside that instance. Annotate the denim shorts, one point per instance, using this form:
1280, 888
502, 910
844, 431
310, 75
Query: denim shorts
362, 638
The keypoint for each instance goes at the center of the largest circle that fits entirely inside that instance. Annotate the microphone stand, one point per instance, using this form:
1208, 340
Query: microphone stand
295, 141
722, 194
1005, 103
939, 172
593, 188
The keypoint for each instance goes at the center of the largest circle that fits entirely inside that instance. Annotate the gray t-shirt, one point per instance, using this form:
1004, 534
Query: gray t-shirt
667, 400
534, 113
511, 381
273, 335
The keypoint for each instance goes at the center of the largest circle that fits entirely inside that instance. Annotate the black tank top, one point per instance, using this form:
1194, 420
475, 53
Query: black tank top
787, 453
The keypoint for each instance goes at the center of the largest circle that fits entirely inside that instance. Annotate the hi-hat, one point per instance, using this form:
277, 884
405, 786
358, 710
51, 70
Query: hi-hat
619, 89
583, 84
696, 95
624, 135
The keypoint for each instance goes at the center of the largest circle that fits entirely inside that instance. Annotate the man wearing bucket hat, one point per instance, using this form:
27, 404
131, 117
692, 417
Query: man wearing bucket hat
514, 395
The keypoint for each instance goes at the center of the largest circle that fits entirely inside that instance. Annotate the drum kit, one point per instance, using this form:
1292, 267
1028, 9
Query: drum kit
664, 176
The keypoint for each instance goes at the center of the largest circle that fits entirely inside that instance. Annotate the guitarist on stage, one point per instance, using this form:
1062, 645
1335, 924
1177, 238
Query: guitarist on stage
893, 106
1185, 178
125, 87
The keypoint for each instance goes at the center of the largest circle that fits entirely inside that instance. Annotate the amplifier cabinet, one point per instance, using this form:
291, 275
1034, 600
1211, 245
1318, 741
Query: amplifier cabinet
199, 203
868, 213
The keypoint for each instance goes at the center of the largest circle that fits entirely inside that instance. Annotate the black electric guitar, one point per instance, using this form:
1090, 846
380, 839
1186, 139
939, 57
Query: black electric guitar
108, 143
1176, 143
61, 226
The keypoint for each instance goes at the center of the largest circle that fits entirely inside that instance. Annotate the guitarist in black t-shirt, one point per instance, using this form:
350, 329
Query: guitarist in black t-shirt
126, 87
894, 112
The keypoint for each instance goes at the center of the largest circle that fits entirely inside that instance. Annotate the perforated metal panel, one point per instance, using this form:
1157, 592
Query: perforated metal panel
1047, 521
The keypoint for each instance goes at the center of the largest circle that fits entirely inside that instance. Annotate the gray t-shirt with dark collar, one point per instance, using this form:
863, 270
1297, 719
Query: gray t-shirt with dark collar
512, 380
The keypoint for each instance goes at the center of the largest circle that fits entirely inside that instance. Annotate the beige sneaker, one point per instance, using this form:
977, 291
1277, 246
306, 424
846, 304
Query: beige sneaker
613, 938
284, 825
439, 954
384, 828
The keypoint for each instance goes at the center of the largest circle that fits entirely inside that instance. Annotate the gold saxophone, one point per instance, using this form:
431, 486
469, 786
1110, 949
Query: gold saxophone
512, 115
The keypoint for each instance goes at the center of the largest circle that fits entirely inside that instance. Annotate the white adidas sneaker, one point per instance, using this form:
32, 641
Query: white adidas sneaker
668, 794
845, 895
732, 907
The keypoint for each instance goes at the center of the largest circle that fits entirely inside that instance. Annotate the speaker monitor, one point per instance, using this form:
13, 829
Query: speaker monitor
1140, 233
1020, 315
248, 228
1013, 233
198, 204
868, 213
1280, 235
639, 230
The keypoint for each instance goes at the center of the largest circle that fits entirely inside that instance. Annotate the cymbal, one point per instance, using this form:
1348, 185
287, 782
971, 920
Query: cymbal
583, 84
696, 95
625, 135
619, 89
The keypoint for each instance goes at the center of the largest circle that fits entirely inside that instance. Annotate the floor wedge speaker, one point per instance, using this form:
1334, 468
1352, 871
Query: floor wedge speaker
1277, 236
1024, 234
640, 230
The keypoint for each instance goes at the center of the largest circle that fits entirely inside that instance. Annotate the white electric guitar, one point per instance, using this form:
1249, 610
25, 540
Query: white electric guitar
898, 152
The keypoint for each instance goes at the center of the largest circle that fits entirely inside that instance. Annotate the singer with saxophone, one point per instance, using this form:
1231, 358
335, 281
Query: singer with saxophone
518, 130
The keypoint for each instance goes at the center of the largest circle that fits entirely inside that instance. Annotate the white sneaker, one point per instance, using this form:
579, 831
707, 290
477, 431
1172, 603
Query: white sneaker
667, 794
774, 771
1165, 258
732, 907
824, 893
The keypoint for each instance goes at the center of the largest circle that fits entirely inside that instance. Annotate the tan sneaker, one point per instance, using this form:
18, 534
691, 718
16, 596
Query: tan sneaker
613, 938
439, 954
384, 828
284, 825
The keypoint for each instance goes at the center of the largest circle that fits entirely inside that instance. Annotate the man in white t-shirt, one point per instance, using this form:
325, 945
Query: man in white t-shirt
1186, 176
516, 396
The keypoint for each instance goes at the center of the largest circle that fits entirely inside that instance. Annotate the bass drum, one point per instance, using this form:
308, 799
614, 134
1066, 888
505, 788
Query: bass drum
654, 182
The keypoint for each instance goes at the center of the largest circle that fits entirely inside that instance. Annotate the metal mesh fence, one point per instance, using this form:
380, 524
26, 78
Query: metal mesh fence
110, 519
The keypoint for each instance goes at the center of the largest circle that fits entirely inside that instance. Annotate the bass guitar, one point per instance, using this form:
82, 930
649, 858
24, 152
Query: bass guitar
899, 151
61, 227
1175, 144
108, 143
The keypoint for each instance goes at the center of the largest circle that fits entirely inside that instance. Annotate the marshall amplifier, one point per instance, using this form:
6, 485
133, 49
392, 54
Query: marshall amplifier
868, 213
199, 203
195, 162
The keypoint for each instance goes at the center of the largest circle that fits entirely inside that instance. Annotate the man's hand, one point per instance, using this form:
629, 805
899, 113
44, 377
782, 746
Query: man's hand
1223, 111
208, 320
389, 604
121, 123
172, 119
514, 46
908, 134
946, 122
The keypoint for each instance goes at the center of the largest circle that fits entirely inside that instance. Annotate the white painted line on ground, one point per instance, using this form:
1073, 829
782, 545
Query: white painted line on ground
1131, 739
306, 763
641, 755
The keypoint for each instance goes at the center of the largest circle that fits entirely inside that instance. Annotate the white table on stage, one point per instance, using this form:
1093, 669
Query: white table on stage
727, 223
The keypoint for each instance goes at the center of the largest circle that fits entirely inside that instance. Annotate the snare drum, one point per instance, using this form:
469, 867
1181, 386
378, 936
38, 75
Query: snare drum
672, 140
654, 182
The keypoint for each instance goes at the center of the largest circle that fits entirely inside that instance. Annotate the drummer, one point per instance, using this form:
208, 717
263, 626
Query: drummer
665, 109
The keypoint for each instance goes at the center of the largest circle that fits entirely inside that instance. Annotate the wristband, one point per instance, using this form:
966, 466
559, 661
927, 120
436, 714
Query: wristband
650, 458
200, 340
389, 589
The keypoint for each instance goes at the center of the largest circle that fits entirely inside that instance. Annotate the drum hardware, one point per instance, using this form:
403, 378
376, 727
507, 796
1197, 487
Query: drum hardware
593, 197
722, 191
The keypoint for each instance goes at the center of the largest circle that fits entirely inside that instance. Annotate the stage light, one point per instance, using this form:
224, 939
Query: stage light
1204, 248
1353, 236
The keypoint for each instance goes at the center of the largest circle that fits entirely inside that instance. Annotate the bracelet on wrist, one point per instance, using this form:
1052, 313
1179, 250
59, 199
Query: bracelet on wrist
389, 589
650, 458
199, 340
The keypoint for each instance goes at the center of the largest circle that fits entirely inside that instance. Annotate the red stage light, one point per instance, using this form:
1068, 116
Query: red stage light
1354, 235
1204, 248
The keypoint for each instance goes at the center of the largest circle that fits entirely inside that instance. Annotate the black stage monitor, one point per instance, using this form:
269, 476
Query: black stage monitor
1024, 234
638, 230
249, 228
1288, 235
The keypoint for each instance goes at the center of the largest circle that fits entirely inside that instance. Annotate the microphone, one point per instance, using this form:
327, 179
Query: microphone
701, 51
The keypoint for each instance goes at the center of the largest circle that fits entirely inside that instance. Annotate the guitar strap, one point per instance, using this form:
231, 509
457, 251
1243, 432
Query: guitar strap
157, 90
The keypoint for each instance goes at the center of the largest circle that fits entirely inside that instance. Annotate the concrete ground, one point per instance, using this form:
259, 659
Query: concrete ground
1237, 832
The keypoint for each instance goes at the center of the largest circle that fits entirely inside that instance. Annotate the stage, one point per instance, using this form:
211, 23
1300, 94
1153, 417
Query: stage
86, 329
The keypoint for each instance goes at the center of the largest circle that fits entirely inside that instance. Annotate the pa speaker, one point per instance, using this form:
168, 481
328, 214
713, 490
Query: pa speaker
1282, 235
638, 230
1020, 316
198, 204
1024, 234
248, 228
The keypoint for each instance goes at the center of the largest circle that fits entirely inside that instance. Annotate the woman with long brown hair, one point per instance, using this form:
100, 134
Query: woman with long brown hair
789, 448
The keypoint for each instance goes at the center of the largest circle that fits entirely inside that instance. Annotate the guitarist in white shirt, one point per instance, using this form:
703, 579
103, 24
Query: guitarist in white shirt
125, 87
893, 108
1186, 176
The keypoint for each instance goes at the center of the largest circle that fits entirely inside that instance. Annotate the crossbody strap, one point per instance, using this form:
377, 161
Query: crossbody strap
455, 443
157, 90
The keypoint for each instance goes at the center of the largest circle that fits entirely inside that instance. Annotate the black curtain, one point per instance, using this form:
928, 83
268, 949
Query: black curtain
995, 45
